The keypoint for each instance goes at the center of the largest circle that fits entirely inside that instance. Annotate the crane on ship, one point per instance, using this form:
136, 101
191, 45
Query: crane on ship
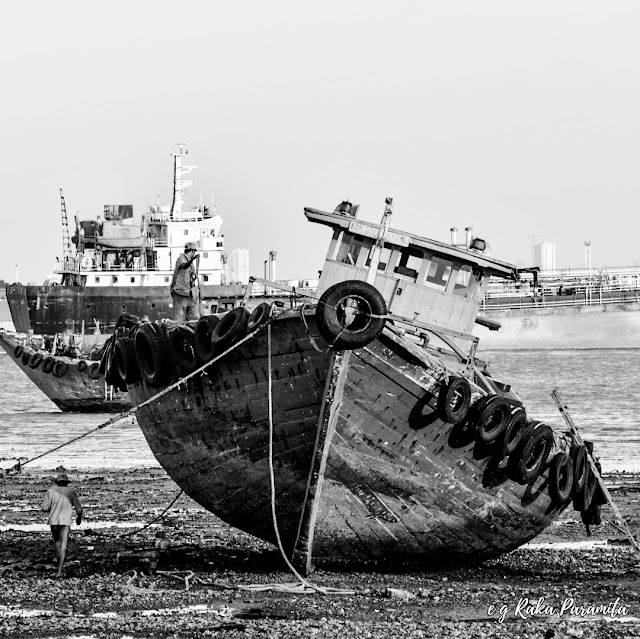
67, 271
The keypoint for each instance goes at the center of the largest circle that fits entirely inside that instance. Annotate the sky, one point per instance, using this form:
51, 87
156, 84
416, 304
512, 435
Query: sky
519, 119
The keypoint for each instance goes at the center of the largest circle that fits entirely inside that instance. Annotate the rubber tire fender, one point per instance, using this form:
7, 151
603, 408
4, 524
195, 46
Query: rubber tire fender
94, 370
528, 460
259, 316
583, 498
202, 337
17, 351
59, 368
578, 456
230, 329
454, 400
514, 432
26, 356
34, 360
152, 355
48, 364
369, 321
561, 479
81, 366
182, 348
492, 420
125, 360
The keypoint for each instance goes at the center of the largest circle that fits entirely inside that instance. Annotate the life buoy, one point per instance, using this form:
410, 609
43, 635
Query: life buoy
34, 360
48, 364
17, 351
152, 355
59, 368
561, 478
582, 499
351, 314
492, 420
231, 328
513, 433
125, 360
81, 366
94, 370
182, 348
578, 456
528, 459
202, 337
454, 400
259, 316
26, 356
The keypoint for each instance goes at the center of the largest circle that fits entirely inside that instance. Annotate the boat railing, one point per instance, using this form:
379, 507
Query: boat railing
586, 298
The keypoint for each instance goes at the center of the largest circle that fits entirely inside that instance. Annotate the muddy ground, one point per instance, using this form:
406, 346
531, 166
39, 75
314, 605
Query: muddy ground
190, 575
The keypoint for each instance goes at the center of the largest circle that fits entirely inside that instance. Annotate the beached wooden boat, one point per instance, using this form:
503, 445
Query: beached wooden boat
74, 384
384, 437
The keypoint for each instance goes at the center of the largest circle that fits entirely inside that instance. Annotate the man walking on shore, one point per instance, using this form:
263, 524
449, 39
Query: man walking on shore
184, 286
59, 502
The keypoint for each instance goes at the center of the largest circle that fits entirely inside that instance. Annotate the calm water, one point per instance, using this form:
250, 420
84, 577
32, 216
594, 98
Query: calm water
600, 388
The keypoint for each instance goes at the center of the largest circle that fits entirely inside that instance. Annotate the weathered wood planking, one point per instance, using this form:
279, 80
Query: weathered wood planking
390, 483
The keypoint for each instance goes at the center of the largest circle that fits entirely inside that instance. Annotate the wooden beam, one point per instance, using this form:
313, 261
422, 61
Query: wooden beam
302, 557
574, 431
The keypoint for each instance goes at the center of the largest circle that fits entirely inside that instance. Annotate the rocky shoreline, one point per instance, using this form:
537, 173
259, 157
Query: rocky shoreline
190, 575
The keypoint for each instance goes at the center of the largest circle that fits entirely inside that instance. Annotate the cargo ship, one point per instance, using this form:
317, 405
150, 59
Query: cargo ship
360, 427
564, 309
112, 265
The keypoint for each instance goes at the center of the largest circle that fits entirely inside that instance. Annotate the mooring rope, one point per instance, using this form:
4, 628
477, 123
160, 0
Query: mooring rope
131, 411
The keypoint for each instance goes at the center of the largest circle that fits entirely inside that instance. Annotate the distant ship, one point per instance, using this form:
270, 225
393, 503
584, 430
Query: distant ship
564, 309
111, 265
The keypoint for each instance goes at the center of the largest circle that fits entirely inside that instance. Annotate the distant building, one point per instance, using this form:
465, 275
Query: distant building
238, 267
544, 256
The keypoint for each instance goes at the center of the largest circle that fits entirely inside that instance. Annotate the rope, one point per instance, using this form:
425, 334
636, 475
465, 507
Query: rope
137, 530
303, 585
18, 467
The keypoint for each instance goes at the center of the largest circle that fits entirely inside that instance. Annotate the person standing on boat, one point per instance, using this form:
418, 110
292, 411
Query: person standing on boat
184, 285
59, 502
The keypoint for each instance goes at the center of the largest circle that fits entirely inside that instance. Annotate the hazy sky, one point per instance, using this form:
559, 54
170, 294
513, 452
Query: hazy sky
520, 119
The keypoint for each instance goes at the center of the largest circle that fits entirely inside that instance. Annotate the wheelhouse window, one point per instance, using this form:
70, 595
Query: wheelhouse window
410, 262
385, 256
465, 281
438, 273
351, 247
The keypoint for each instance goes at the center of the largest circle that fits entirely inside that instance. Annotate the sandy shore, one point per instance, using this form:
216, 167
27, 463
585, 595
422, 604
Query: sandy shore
190, 575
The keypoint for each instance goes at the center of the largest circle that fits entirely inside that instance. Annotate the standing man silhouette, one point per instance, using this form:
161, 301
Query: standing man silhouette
184, 285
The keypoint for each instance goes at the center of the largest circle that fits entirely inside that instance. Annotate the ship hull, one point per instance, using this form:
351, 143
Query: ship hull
364, 468
597, 326
47, 310
73, 391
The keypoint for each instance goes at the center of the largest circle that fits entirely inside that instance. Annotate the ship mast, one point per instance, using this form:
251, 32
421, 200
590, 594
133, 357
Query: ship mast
179, 185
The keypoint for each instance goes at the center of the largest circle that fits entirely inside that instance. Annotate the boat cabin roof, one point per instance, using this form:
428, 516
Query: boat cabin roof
347, 222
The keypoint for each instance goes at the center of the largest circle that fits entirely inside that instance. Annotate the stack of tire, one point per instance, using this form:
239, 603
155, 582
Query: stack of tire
155, 352
526, 444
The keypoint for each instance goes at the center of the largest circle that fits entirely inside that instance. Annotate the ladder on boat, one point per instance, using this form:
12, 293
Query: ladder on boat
578, 439
66, 239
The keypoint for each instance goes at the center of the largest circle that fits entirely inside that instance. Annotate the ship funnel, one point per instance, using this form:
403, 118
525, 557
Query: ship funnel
468, 232
272, 265
454, 236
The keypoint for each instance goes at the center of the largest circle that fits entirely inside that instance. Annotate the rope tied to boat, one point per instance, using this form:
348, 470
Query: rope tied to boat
17, 468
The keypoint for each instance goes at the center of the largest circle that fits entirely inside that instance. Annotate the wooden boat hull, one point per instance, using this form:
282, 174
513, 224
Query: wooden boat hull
74, 390
364, 468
